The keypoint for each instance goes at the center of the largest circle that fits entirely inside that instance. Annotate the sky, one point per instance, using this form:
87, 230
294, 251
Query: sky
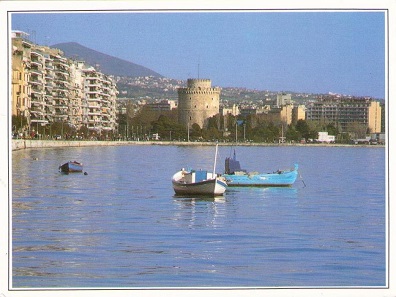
312, 51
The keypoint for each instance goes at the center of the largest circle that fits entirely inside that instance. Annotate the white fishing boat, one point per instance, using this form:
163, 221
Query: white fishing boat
199, 182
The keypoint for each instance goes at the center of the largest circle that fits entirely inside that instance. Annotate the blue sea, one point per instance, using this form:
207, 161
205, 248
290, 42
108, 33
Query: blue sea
120, 226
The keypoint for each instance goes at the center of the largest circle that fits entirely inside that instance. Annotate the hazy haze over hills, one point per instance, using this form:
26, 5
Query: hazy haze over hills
107, 64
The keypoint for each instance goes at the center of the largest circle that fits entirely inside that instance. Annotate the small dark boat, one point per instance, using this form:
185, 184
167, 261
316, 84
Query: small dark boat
71, 166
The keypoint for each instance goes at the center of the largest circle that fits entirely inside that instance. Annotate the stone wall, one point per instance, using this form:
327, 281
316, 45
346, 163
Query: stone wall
18, 144
198, 102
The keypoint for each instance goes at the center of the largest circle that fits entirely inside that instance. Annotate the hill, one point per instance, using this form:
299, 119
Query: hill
107, 64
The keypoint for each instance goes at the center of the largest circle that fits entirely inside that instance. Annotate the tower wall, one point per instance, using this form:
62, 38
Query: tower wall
198, 102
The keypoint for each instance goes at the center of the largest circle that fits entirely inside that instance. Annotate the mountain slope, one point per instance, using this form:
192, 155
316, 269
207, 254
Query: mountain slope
107, 64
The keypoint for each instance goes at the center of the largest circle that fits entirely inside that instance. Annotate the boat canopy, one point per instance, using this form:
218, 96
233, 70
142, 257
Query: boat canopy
232, 165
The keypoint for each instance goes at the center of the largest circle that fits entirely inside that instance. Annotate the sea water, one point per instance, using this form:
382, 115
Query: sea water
121, 225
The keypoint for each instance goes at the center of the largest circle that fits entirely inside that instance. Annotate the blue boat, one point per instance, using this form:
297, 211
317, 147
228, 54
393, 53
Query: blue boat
71, 166
237, 177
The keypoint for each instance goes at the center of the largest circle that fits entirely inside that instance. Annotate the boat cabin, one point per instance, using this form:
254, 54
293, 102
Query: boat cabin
232, 165
195, 176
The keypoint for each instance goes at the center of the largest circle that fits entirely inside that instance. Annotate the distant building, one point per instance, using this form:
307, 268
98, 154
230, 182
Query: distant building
37, 82
298, 113
100, 95
198, 102
283, 113
234, 110
163, 105
286, 114
283, 99
325, 137
255, 110
346, 111
244, 112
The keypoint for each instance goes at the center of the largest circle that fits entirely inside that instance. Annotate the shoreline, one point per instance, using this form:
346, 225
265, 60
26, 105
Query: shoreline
20, 144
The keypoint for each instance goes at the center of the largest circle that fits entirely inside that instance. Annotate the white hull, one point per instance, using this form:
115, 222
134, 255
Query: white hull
213, 186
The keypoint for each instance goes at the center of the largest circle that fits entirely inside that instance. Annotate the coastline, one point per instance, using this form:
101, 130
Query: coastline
20, 144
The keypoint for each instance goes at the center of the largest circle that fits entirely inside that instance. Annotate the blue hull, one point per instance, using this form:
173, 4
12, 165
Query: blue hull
235, 176
281, 179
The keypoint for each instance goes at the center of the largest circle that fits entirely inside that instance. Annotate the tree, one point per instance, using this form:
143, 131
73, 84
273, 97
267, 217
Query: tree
195, 132
306, 131
18, 122
332, 129
168, 128
292, 133
358, 129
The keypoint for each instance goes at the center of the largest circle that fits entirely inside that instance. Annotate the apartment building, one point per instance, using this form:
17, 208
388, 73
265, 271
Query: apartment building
283, 99
37, 85
346, 111
47, 87
100, 96
21, 92
298, 113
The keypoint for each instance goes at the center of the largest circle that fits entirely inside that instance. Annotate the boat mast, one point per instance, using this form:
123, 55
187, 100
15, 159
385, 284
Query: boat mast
215, 160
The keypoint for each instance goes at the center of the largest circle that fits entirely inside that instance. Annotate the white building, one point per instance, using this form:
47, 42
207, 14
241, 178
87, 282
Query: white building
325, 137
100, 94
47, 87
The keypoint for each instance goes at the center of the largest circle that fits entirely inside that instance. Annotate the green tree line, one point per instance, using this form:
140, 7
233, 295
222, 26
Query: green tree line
252, 128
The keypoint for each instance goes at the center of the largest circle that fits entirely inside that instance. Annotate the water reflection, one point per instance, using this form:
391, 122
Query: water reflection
196, 212
263, 192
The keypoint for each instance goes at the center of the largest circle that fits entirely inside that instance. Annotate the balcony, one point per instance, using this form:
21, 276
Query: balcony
91, 75
60, 86
60, 64
26, 43
36, 91
37, 82
62, 70
60, 107
36, 64
48, 97
90, 114
36, 71
36, 113
58, 96
37, 103
93, 101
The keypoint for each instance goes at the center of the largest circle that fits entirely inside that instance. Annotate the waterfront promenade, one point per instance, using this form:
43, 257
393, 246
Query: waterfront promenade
18, 144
